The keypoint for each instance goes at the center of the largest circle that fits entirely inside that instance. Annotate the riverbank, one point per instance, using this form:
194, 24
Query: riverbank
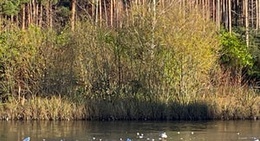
232, 104
167, 66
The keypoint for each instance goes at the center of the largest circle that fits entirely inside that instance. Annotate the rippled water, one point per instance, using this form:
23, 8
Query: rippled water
114, 131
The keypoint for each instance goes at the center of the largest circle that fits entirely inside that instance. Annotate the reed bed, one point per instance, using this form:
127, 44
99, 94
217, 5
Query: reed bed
38, 108
240, 104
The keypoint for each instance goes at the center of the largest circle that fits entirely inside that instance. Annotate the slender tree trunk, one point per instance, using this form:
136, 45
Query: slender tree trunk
127, 13
252, 17
73, 13
96, 9
37, 13
218, 14
93, 10
120, 12
100, 13
1, 23
12, 19
246, 22
23, 17
111, 12
47, 7
51, 15
117, 13
105, 12
203, 9
229, 16
29, 13
153, 27
40, 14
225, 13
33, 12
207, 9
214, 10
257, 15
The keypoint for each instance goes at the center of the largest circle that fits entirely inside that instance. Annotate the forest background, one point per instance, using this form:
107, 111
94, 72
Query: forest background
129, 59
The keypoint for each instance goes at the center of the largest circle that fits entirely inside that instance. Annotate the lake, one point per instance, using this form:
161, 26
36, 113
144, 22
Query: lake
121, 130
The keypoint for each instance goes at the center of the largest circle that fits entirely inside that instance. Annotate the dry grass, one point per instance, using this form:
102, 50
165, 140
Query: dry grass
53, 108
238, 104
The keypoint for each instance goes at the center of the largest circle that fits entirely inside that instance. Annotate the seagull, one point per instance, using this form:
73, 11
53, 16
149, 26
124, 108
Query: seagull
27, 139
139, 135
255, 139
163, 135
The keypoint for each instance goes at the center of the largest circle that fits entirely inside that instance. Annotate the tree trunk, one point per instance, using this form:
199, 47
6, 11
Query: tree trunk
96, 12
47, 7
117, 13
93, 10
37, 13
73, 14
252, 17
33, 12
29, 13
214, 10
218, 14
105, 12
51, 15
23, 17
257, 15
100, 13
229, 17
246, 22
1, 23
40, 14
111, 12
153, 28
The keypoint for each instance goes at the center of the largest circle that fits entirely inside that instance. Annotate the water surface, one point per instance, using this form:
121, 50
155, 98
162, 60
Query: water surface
121, 130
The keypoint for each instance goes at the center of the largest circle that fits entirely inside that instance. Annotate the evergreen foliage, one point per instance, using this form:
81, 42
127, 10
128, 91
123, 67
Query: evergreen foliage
234, 52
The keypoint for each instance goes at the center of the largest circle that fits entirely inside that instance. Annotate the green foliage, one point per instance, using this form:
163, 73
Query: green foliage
254, 71
234, 52
24, 1
189, 48
63, 15
10, 7
19, 58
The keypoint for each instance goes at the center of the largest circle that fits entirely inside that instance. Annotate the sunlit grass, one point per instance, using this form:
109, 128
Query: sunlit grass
53, 108
237, 104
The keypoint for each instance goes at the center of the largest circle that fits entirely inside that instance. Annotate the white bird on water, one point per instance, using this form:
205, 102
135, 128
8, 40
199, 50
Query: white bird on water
255, 139
163, 135
140, 135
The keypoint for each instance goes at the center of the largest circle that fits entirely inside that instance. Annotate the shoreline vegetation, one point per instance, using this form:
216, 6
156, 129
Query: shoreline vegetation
162, 63
238, 104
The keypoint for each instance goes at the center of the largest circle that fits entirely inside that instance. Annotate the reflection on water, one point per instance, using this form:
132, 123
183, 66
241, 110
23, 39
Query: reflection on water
116, 131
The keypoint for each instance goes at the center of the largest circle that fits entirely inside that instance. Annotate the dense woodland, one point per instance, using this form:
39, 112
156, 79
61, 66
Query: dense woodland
129, 59
56, 13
